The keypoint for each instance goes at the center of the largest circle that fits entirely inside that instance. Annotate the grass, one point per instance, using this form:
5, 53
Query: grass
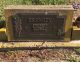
28, 2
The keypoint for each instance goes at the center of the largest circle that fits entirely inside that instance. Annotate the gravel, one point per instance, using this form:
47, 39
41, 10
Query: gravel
44, 55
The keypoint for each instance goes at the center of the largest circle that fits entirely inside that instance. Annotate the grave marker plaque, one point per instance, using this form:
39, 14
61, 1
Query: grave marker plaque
39, 22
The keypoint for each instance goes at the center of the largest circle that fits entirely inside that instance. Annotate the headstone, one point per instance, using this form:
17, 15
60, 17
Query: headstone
39, 22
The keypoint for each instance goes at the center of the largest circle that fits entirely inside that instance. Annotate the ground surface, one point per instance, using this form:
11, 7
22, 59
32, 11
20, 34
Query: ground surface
45, 55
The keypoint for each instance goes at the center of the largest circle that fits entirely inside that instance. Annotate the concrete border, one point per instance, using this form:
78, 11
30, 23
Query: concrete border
75, 43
